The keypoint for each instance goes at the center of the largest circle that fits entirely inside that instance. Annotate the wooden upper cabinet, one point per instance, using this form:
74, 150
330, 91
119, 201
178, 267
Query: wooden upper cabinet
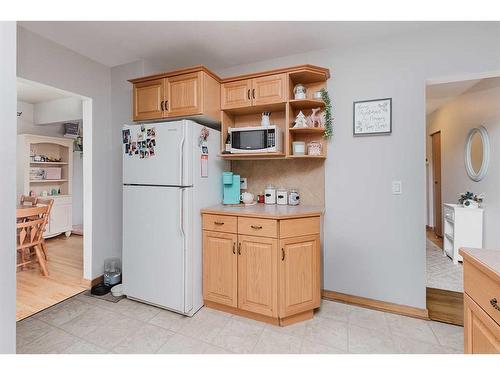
236, 94
269, 89
258, 275
188, 92
148, 99
220, 268
183, 94
299, 270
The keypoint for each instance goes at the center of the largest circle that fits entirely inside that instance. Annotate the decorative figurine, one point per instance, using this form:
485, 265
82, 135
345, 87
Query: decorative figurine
316, 119
299, 91
300, 121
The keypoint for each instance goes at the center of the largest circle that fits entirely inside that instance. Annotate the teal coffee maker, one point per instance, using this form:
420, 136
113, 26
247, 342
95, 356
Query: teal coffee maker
231, 184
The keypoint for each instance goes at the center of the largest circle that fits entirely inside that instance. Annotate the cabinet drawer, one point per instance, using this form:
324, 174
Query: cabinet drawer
220, 223
299, 227
482, 289
258, 227
449, 213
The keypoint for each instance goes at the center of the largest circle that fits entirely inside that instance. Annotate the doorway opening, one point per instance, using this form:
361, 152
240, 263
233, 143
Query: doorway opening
54, 175
453, 110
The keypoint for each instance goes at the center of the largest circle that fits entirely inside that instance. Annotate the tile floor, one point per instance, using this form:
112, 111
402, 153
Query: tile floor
441, 272
84, 324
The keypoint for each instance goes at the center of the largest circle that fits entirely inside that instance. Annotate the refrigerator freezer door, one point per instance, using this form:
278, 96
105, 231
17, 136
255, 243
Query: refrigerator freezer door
153, 246
167, 166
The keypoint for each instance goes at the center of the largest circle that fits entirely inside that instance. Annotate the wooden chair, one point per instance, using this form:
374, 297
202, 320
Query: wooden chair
25, 199
46, 202
30, 227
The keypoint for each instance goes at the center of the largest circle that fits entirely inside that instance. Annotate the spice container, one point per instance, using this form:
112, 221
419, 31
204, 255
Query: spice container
293, 197
282, 196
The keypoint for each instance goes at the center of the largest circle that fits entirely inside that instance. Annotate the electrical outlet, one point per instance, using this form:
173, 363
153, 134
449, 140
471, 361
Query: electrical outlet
397, 187
243, 183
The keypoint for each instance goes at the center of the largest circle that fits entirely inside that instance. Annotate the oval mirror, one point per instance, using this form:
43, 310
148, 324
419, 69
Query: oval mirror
477, 153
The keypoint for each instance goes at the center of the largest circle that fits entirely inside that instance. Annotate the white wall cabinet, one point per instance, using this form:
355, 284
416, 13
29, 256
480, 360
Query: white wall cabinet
463, 227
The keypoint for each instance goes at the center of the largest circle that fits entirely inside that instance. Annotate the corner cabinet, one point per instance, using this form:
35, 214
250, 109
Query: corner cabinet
265, 269
185, 93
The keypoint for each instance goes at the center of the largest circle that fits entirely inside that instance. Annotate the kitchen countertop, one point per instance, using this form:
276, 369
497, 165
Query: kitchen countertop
485, 259
267, 211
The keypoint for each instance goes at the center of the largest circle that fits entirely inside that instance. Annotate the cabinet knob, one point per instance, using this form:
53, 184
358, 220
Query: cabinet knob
282, 254
494, 303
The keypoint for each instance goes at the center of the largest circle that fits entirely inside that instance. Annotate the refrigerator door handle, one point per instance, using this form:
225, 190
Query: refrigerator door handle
181, 153
181, 214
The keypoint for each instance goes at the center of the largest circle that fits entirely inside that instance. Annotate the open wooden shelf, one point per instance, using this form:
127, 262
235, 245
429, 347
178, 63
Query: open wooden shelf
46, 181
307, 130
306, 103
49, 162
253, 155
309, 75
307, 156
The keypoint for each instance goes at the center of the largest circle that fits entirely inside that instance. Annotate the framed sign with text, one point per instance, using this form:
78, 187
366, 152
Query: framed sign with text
372, 117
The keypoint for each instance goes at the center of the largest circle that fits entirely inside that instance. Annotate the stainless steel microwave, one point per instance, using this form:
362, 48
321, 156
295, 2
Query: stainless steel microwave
256, 139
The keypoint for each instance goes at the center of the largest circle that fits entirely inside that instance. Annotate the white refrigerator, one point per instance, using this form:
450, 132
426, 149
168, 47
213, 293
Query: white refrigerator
165, 184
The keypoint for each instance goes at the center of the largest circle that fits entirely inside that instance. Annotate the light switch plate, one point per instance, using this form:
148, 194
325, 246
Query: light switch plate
397, 187
243, 183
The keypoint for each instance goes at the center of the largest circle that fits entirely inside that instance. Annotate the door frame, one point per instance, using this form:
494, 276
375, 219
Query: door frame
437, 211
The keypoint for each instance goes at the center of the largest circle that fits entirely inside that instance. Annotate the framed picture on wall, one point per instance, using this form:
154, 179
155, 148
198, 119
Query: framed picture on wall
372, 117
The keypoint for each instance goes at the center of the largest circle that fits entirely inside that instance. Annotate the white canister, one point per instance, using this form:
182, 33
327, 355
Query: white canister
282, 196
293, 197
270, 195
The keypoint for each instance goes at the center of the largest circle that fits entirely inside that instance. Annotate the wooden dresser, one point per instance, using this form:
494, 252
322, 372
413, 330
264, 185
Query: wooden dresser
262, 261
481, 301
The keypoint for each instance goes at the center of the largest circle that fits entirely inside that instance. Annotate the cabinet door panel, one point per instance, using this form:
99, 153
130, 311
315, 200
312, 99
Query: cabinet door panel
60, 218
183, 95
258, 275
148, 97
236, 94
269, 89
220, 268
299, 272
481, 333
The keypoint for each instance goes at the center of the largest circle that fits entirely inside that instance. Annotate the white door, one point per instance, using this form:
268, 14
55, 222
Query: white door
153, 246
165, 167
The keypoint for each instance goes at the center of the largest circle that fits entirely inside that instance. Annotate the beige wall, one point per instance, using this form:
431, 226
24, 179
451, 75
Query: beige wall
477, 106
308, 176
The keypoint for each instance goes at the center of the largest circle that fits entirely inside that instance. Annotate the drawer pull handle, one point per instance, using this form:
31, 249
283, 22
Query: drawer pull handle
282, 254
256, 226
494, 303
218, 223
234, 248
239, 248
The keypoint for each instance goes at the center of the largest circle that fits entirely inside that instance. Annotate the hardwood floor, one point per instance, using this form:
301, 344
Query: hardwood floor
65, 262
431, 236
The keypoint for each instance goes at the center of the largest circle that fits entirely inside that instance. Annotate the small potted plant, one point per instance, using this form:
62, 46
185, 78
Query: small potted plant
471, 200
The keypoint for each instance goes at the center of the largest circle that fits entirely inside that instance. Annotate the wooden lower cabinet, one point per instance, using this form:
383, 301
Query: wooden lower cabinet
220, 268
258, 275
276, 280
481, 301
299, 274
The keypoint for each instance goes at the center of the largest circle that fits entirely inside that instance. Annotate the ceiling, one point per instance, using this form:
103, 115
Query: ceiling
215, 44
440, 94
31, 92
